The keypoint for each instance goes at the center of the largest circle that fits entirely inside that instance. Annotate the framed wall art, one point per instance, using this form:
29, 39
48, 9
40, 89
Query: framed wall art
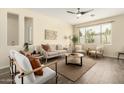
50, 35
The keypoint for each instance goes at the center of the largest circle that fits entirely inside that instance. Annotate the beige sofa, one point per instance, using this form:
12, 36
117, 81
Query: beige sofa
55, 50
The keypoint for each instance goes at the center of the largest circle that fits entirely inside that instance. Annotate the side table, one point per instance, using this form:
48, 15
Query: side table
120, 53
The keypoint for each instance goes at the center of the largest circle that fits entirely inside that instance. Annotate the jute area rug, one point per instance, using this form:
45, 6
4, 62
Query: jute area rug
73, 72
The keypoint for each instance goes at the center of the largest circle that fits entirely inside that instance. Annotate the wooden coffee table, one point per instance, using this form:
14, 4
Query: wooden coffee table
77, 55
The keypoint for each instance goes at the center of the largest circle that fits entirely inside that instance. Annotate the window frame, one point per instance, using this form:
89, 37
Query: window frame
101, 41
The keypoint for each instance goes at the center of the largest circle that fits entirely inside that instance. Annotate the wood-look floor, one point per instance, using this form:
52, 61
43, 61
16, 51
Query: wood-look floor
105, 71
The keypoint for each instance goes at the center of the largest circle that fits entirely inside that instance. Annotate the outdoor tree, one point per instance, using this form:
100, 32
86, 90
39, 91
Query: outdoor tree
106, 35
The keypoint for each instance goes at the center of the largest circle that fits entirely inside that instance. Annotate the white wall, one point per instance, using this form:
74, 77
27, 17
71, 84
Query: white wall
117, 34
41, 22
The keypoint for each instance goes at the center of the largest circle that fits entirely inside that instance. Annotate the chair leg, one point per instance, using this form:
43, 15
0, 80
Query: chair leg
12, 73
13, 78
56, 73
22, 79
46, 60
15, 69
56, 79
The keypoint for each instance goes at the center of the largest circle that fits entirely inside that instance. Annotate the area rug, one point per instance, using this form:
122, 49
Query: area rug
73, 72
5, 77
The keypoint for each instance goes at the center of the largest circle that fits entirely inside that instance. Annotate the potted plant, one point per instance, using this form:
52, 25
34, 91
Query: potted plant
26, 47
74, 40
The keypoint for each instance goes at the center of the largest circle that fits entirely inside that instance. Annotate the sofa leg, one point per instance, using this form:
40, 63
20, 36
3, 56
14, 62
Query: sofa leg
46, 60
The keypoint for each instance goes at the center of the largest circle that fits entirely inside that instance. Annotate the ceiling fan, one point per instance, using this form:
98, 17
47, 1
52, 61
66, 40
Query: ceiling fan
79, 13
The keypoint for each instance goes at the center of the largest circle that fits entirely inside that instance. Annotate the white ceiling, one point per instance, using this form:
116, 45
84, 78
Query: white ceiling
71, 18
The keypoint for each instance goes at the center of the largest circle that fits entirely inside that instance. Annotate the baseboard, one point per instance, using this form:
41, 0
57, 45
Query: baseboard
109, 57
114, 57
4, 67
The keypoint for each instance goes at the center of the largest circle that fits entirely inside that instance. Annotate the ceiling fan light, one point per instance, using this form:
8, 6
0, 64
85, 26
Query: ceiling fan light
78, 15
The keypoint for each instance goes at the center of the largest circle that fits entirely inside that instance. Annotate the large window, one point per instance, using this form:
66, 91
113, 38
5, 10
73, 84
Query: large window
106, 34
98, 34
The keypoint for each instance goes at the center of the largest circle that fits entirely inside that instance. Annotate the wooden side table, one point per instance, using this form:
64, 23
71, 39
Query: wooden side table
120, 53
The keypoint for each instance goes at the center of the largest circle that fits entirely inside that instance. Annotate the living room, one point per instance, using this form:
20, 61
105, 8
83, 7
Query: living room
49, 28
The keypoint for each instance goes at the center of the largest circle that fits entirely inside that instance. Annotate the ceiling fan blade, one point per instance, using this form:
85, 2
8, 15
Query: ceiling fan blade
86, 11
83, 13
71, 12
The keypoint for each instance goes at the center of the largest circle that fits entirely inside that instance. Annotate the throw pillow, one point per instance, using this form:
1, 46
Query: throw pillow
52, 47
35, 63
46, 47
59, 47
40, 50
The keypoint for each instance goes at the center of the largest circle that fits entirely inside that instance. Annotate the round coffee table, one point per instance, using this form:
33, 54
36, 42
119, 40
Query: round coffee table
77, 55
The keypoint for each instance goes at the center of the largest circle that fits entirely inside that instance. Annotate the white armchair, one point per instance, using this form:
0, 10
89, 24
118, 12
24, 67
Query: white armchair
96, 52
79, 49
26, 73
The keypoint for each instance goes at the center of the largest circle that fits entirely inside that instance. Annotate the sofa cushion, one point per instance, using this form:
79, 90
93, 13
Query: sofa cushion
46, 47
52, 53
61, 51
48, 74
59, 47
52, 47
